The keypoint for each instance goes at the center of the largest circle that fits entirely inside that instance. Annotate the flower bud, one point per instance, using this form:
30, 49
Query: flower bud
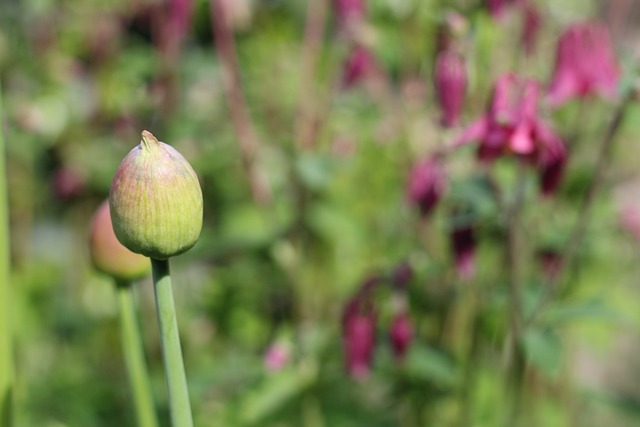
156, 201
463, 243
427, 183
107, 253
451, 83
401, 334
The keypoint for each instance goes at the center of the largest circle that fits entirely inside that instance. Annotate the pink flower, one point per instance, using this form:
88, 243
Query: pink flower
276, 357
427, 183
359, 65
511, 124
359, 331
347, 11
463, 243
451, 83
530, 27
630, 221
401, 334
585, 64
497, 7
552, 161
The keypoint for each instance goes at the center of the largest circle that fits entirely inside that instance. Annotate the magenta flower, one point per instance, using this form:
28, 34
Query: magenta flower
511, 124
347, 11
585, 64
427, 183
497, 7
463, 244
530, 27
359, 65
276, 357
401, 334
451, 83
552, 161
359, 330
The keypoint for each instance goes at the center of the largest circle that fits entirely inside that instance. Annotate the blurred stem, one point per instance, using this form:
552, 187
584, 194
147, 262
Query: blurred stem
312, 44
514, 272
171, 350
6, 335
471, 364
248, 143
584, 214
134, 357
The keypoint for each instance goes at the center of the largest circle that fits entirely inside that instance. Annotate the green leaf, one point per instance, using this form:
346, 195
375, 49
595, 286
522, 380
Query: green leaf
543, 349
431, 365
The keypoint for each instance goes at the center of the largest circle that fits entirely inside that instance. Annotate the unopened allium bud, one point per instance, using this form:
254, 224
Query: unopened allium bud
585, 64
450, 84
427, 183
156, 201
107, 253
401, 334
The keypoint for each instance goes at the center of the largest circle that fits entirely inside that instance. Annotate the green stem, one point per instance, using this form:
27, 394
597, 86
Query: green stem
171, 351
6, 338
134, 357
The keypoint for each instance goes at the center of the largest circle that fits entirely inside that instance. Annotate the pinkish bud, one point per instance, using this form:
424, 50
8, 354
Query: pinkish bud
401, 334
463, 243
551, 164
585, 64
451, 83
427, 183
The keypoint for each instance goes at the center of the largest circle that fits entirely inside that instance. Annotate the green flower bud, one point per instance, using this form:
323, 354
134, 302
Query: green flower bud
107, 253
156, 201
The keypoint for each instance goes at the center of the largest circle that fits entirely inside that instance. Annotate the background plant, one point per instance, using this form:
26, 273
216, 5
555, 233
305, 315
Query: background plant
303, 125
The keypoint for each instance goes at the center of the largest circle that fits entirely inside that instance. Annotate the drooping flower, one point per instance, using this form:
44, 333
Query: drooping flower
427, 183
552, 161
401, 334
450, 84
585, 64
463, 244
359, 331
512, 126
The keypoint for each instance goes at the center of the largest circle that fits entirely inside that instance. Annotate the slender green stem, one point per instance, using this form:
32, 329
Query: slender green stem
171, 350
6, 336
134, 357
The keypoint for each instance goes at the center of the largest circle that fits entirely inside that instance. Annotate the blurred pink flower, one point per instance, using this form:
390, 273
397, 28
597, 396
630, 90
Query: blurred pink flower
585, 64
630, 221
359, 65
451, 83
347, 11
530, 27
463, 244
511, 124
401, 334
552, 161
68, 183
359, 331
276, 357
497, 7
427, 183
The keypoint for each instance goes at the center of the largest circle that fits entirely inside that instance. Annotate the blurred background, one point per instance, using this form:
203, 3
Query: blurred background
303, 121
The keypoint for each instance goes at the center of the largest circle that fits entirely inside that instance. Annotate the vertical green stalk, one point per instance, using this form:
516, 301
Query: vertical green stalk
6, 347
171, 351
134, 357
